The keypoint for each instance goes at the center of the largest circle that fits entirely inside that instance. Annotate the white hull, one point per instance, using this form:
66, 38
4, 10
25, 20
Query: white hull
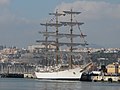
71, 74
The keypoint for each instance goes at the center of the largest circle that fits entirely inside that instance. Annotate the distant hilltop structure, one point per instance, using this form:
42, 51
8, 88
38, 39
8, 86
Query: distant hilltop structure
36, 47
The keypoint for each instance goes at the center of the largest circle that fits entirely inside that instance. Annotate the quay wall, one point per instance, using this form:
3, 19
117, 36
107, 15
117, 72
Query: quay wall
17, 68
106, 78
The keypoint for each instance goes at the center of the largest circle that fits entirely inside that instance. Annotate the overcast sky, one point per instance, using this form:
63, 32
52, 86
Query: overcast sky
20, 20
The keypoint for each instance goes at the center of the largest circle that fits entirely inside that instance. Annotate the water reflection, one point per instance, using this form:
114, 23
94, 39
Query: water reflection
32, 84
56, 85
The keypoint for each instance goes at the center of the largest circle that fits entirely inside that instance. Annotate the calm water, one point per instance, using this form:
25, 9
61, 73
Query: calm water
32, 84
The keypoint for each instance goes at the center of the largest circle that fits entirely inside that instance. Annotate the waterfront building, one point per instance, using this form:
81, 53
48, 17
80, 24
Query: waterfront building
113, 68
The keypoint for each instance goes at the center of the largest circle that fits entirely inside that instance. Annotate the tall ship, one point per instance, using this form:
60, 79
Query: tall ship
62, 59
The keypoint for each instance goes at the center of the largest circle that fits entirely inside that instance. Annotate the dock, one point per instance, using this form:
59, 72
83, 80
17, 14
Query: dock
106, 78
17, 70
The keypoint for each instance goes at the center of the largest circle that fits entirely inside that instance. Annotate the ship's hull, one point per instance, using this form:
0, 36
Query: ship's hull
71, 74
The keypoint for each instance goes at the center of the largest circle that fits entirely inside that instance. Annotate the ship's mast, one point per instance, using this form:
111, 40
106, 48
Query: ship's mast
71, 48
71, 24
57, 24
46, 42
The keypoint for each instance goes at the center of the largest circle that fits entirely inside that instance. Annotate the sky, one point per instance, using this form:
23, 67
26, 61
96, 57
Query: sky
20, 20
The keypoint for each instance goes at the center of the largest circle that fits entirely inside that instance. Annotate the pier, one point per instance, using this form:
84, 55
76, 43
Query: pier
16, 70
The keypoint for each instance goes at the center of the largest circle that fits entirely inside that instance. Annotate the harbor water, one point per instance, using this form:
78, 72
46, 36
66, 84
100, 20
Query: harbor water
35, 84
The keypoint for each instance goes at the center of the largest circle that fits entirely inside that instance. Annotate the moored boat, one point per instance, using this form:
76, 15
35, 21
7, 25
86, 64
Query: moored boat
57, 71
